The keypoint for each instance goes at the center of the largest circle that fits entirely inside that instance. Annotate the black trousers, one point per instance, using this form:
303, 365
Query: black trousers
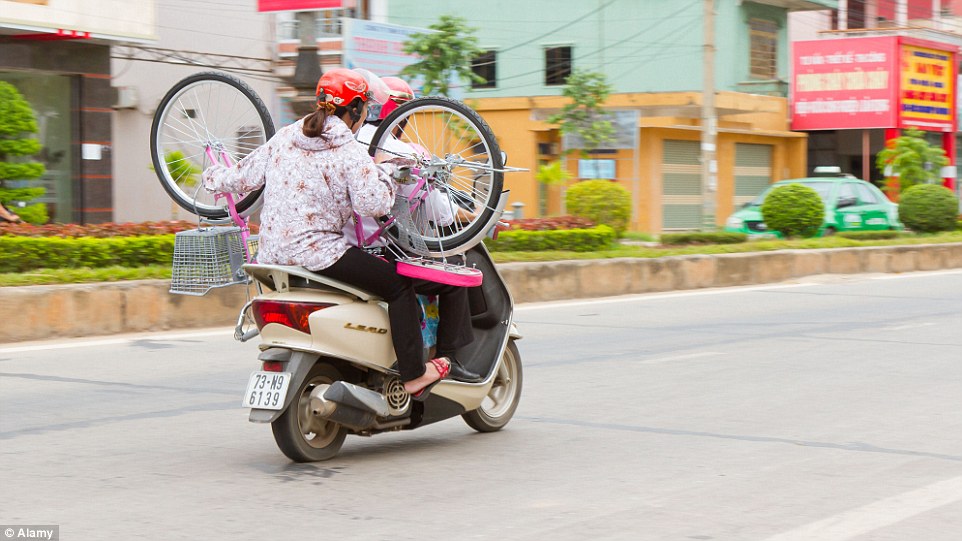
373, 274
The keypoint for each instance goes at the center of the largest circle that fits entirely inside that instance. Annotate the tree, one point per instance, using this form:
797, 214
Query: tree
912, 159
584, 116
552, 174
445, 54
17, 122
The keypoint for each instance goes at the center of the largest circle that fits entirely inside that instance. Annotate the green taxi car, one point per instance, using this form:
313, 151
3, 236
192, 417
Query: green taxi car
851, 204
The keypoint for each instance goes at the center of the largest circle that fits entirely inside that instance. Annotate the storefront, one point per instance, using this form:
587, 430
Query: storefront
57, 54
854, 94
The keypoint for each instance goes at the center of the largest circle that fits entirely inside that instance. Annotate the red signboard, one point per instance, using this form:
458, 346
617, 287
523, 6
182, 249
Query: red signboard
297, 5
877, 82
845, 83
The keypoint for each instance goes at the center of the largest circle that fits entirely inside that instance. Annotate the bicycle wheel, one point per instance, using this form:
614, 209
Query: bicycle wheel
206, 110
460, 159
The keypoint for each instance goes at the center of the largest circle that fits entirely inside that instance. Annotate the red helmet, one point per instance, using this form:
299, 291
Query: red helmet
340, 86
400, 93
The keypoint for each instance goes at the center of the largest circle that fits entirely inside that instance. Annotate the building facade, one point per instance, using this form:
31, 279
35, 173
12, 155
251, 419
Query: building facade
652, 53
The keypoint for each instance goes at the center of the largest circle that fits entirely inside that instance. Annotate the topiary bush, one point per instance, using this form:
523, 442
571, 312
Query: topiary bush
794, 210
927, 208
602, 202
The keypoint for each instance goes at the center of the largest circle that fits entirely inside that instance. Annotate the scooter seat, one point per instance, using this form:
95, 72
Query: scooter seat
283, 277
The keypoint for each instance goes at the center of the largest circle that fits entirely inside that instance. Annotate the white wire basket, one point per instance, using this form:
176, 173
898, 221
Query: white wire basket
206, 259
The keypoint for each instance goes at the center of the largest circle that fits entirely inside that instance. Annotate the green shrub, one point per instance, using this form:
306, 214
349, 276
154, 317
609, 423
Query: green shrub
602, 202
679, 239
868, 235
571, 240
21, 254
927, 208
794, 210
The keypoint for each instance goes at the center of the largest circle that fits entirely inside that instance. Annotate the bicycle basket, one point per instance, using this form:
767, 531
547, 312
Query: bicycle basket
205, 259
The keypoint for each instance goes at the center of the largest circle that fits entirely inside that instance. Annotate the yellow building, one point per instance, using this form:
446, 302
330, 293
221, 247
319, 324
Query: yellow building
663, 172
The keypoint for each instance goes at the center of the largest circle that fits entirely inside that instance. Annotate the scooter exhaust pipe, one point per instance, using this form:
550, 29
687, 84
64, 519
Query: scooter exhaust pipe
349, 405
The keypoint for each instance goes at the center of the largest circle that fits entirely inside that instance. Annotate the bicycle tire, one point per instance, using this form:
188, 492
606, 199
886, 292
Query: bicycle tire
483, 191
220, 124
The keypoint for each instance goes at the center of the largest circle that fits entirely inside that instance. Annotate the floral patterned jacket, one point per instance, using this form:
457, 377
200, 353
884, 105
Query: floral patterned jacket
312, 186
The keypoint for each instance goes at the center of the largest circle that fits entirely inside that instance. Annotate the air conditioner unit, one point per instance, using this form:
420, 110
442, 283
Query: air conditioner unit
126, 97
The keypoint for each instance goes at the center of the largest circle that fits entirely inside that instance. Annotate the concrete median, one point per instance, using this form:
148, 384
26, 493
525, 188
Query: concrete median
40, 312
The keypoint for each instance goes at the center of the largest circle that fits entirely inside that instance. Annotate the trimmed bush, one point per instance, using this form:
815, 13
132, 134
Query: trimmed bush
679, 239
571, 240
868, 235
794, 210
601, 201
21, 254
927, 208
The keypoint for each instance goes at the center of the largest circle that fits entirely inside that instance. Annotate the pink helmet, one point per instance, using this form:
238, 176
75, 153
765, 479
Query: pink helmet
400, 92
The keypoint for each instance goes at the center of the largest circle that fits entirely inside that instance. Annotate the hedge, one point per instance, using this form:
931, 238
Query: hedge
21, 254
677, 239
571, 240
868, 235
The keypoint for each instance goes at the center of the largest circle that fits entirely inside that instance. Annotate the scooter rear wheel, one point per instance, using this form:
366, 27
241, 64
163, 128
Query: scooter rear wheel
301, 436
502, 400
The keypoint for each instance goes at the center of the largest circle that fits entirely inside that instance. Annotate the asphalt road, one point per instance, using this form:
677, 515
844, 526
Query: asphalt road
829, 409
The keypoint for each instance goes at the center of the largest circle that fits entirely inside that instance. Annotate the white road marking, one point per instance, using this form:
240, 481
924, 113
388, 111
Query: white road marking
682, 357
117, 340
879, 514
906, 327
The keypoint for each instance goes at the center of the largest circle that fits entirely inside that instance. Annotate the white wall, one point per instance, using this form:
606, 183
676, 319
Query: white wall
234, 28
805, 25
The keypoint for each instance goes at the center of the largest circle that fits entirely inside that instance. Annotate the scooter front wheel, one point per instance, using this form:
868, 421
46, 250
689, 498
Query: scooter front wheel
502, 400
299, 434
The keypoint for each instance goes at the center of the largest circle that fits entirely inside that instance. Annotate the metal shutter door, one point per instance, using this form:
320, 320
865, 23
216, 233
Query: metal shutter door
753, 171
681, 185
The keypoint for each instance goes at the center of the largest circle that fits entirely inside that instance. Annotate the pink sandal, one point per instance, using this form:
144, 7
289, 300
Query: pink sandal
444, 368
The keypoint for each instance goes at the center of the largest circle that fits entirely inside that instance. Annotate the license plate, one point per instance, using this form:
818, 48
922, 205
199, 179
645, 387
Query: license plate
267, 390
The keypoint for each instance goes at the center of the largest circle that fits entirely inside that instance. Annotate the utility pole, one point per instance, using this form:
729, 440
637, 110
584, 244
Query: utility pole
308, 69
709, 124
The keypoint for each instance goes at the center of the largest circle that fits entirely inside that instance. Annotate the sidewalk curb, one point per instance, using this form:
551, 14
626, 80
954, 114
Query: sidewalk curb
40, 312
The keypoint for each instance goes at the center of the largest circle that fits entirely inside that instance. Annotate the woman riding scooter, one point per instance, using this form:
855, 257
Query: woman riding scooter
437, 203
315, 176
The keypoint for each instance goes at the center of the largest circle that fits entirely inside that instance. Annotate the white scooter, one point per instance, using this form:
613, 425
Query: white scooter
326, 347
327, 357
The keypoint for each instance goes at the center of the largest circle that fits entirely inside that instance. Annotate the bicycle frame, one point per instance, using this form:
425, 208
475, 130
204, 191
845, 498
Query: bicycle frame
235, 217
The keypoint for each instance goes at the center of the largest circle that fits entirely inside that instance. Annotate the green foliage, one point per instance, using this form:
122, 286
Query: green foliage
573, 240
181, 169
584, 116
443, 54
21, 254
679, 239
84, 275
868, 235
794, 210
927, 208
602, 202
912, 158
552, 174
17, 122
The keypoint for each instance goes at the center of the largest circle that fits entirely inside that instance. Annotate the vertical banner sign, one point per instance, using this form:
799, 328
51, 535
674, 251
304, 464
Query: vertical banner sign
845, 83
927, 94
